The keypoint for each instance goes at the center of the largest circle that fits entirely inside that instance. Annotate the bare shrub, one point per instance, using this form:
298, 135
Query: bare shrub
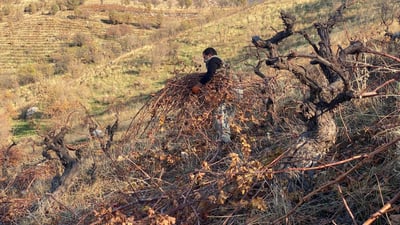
45, 70
129, 42
117, 17
15, 14
25, 79
80, 39
28, 74
57, 100
32, 8
60, 107
8, 81
155, 2
158, 54
61, 62
70, 4
6, 10
81, 13
199, 3
185, 3
75, 68
54, 9
186, 24
89, 54
112, 49
118, 31
125, 2
148, 22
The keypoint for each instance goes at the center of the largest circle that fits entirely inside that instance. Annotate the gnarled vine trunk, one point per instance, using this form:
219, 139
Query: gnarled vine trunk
323, 97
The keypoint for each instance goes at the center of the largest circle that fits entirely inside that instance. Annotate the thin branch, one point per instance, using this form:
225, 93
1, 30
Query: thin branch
316, 191
63, 205
368, 50
361, 156
346, 205
337, 180
375, 91
382, 210
320, 60
344, 124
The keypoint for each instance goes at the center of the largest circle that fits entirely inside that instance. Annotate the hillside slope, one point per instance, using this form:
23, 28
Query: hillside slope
34, 38
122, 141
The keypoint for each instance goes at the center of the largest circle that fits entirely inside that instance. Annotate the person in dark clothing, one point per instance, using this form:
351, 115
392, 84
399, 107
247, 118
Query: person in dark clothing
213, 63
223, 113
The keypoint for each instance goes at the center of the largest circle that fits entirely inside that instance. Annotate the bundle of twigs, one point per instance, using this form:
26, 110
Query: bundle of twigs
180, 111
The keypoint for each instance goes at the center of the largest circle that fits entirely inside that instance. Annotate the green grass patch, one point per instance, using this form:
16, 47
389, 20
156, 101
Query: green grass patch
24, 128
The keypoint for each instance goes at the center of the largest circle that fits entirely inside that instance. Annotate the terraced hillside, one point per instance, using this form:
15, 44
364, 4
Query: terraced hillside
35, 37
125, 141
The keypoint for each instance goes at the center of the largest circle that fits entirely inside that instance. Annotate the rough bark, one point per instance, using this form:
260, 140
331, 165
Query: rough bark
317, 109
55, 142
6, 159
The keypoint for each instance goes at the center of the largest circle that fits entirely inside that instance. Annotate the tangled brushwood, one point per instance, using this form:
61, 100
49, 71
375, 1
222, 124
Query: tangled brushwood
176, 114
184, 176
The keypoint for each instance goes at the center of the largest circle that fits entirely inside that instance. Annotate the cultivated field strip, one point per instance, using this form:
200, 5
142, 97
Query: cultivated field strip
35, 37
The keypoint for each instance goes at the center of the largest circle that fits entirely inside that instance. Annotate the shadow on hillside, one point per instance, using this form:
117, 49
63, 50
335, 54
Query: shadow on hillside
106, 21
132, 72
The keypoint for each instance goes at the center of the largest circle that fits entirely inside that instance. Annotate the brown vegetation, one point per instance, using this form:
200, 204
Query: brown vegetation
315, 136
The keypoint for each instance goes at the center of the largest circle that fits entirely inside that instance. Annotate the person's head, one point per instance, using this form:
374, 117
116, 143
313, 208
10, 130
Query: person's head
208, 53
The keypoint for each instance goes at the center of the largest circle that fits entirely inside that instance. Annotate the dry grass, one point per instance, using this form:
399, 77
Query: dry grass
164, 166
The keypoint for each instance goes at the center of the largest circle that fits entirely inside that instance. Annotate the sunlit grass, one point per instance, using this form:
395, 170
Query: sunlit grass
23, 128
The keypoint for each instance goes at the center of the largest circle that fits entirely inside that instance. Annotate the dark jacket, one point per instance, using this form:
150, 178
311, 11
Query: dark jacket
213, 64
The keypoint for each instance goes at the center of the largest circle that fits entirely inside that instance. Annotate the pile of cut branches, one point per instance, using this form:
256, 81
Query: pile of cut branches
182, 114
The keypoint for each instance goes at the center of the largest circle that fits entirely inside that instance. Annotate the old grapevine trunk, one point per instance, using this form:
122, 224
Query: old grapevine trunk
323, 97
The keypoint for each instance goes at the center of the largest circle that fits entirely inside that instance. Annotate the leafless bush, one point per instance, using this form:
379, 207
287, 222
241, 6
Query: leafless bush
32, 8
70, 4
28, 74
54, 9
62, 62
185, 3
129, 42
82, 14
117, 17
8, 81
6, 10
80, 39
118, 31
